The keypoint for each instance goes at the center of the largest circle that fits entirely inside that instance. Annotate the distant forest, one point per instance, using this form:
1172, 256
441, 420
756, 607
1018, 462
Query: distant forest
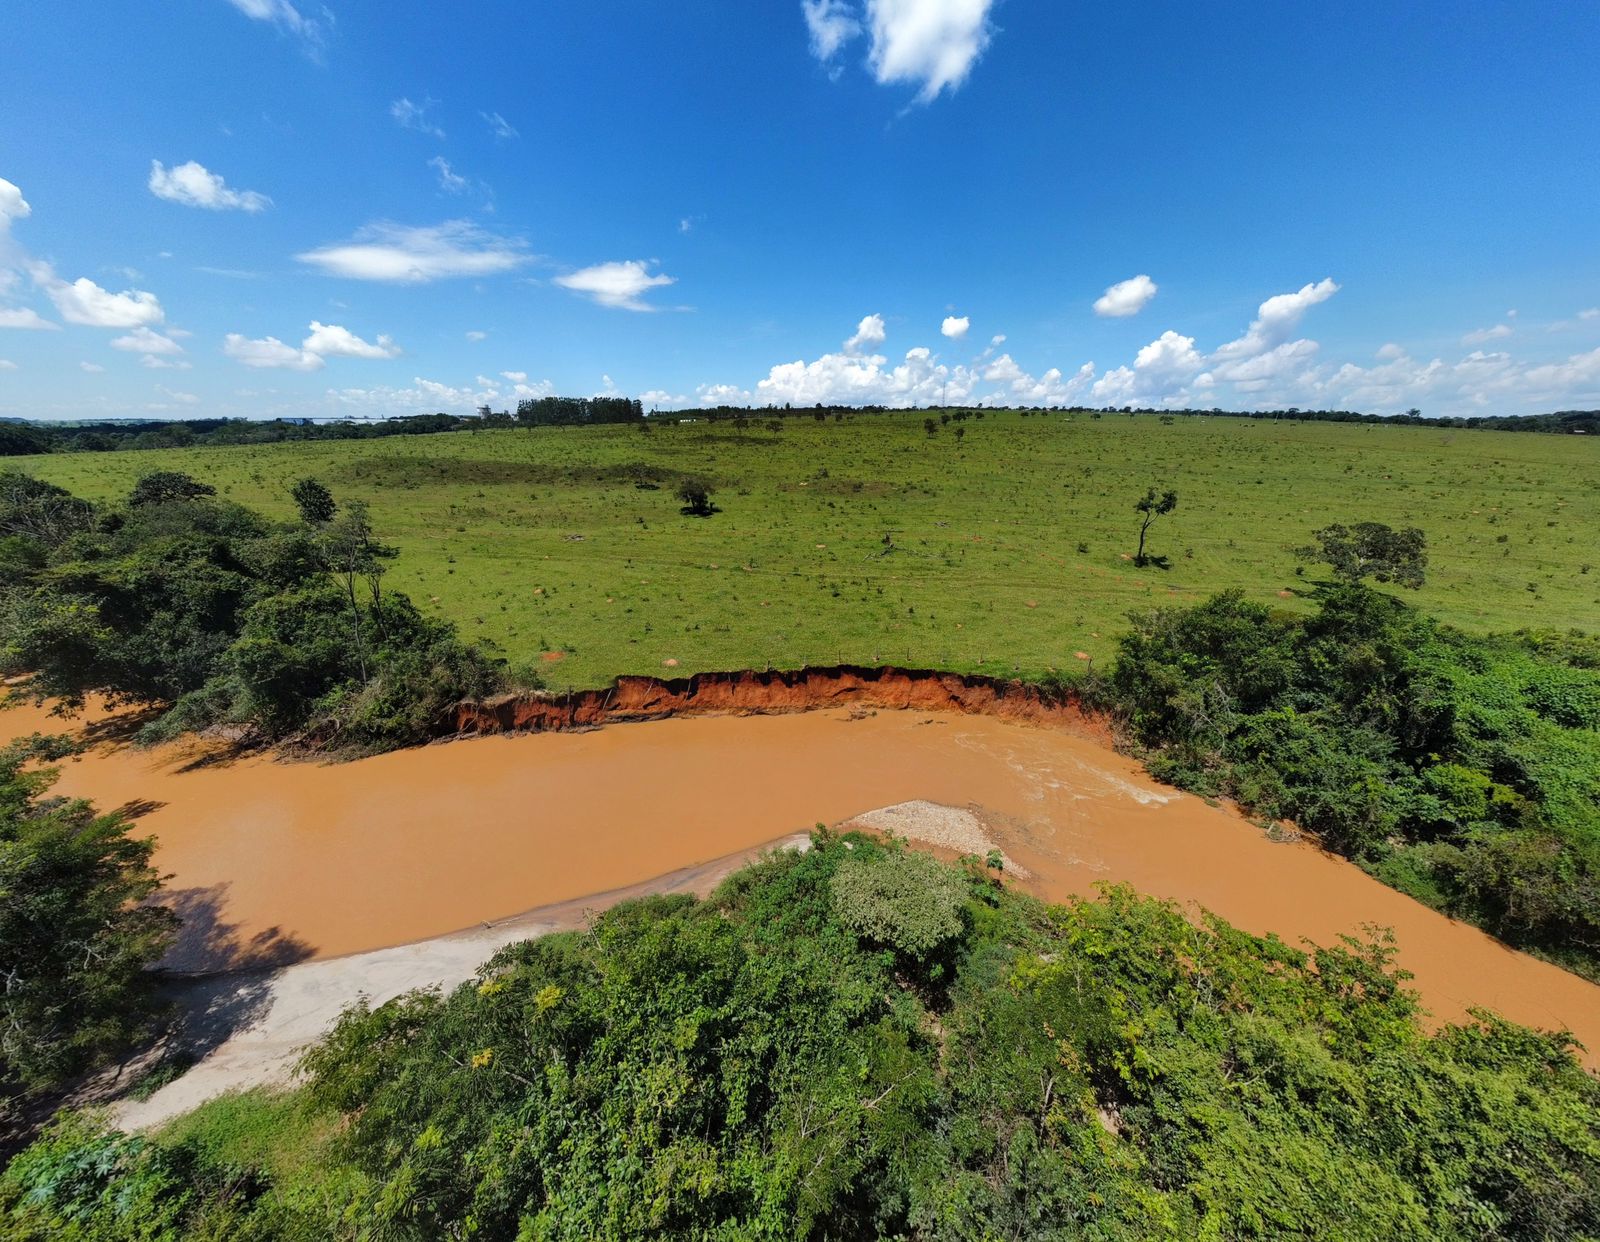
20, 438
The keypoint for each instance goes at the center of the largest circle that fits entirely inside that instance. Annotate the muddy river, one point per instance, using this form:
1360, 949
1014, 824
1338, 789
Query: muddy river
272, 861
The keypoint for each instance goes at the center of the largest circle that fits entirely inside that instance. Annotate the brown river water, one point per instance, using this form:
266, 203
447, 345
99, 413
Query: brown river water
272, 861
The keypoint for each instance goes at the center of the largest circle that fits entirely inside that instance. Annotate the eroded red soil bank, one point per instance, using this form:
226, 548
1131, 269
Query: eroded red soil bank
777, 691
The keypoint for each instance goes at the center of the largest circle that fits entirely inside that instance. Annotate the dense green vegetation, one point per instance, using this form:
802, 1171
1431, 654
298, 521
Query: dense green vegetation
826, 1048
1464, 770
200, 607
1008, 551
74, 938
21, 438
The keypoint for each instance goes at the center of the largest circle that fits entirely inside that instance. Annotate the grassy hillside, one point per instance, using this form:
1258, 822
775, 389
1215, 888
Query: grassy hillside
1007, 549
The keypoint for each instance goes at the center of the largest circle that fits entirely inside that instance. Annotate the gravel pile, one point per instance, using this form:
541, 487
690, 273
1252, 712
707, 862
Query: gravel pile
933, 823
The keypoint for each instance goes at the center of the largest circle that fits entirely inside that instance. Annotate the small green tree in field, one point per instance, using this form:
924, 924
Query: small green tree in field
164, 486
315, 502
1371, 550
695, 493
1151, 508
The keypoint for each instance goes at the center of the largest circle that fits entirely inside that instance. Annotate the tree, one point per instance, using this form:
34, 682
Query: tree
315, 502
164, 486
1371, 549
695, 493
76, 932
1152, 507
929, 426
353, 553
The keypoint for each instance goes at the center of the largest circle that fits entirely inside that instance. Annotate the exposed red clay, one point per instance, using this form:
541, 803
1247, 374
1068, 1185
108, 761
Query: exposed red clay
778, 691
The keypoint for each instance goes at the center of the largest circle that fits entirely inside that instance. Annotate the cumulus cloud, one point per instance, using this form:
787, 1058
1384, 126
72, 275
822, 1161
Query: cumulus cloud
620, 285
7, 365
145, 341
1481, 336
477, 335
270, 352
1276, 319
1389, 352
1126, 297
409, 115
831, 24
165, 364
93, 368
930, 43
1592, 312
25, 317
498, 125
516, 377
84, 302
12, 205
329, 340
401, 255
449, 181
955, 328
312, 32
194, 185
870, 334
326, 340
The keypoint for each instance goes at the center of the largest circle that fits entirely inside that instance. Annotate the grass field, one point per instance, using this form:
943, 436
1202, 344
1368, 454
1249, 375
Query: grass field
1008, 551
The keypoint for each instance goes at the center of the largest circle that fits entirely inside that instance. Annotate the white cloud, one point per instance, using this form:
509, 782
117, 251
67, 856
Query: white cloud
286, 17
165, 364
269, 351
477, 335
415, 116
722, 394
329, 340
1126, 297
1592, 313
999, 338
620, 285
401, 255
831, 24
326, 340
1389, 352
932, 43
516, 377
657, 398
25, 317
450, 182
12, 205
955, 328
870, 334
93, 368
1275, 320
193, 185
182, 398
1481, 336
144, 341
498, 125
7, 365
84, 302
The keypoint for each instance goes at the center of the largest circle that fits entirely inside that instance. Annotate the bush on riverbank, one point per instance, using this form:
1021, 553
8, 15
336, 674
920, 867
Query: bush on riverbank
75, 940
1463, 770
751, 1066
220, 617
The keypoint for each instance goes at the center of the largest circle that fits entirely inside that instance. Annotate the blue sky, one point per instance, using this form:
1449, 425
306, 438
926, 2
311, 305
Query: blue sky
260, 207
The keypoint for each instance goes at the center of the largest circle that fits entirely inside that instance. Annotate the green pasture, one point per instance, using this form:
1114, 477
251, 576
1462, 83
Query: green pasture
867, 540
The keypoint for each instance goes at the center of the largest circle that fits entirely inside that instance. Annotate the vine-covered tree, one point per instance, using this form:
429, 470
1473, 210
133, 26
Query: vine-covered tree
1371, 550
